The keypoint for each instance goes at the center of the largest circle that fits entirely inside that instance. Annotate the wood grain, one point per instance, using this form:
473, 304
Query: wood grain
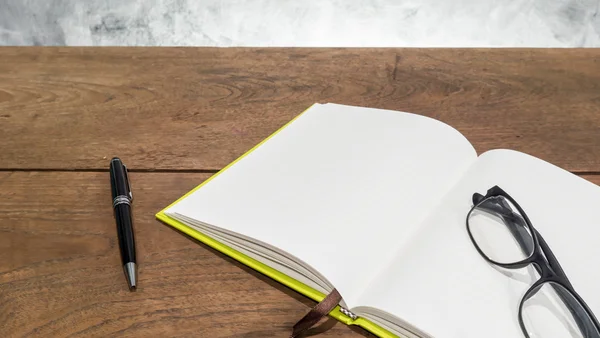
60, 272
197, 109
200, 108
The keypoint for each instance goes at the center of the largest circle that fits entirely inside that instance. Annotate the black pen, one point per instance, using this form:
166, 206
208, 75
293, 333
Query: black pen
122, 197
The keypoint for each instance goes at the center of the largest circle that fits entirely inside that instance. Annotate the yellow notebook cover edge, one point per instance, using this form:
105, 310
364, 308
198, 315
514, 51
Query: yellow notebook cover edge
258, 266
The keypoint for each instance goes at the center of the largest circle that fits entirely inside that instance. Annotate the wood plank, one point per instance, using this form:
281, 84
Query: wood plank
60, 272
200, 108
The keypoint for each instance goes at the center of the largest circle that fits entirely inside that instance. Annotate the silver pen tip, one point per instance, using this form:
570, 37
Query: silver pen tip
130, 273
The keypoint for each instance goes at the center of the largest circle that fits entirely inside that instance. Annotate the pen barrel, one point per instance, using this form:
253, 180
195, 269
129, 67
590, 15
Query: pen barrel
125, 233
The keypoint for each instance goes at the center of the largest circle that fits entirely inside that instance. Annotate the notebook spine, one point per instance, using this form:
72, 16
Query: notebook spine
348, 313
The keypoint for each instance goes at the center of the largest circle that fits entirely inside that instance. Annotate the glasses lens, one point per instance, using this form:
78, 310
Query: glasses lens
500, 231
552, 311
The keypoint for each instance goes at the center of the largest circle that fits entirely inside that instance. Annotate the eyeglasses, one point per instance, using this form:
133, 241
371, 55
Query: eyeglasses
503, 234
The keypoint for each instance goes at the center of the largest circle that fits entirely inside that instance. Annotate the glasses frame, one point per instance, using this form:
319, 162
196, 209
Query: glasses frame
543, 260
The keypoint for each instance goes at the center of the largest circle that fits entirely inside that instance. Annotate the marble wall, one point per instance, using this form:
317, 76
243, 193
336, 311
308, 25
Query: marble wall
398, 23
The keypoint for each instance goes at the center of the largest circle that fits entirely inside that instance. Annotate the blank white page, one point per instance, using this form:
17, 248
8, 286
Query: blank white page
340, 188
442, 285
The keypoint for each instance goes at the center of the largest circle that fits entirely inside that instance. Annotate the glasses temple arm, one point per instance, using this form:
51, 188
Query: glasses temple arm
592, 327
588, 328
573, 304
521, 235
552, 260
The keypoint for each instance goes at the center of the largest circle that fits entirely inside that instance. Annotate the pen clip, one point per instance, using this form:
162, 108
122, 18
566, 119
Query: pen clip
128, 184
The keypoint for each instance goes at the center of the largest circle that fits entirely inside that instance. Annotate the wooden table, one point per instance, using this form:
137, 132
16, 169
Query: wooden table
176, 116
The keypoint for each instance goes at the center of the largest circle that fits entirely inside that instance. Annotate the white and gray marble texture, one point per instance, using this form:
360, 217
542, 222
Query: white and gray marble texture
314, 23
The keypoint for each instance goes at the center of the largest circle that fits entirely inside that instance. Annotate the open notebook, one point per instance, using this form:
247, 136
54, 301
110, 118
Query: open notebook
374, 203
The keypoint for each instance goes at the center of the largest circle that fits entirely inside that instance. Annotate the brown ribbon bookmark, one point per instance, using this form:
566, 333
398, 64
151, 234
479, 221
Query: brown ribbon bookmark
315, 314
